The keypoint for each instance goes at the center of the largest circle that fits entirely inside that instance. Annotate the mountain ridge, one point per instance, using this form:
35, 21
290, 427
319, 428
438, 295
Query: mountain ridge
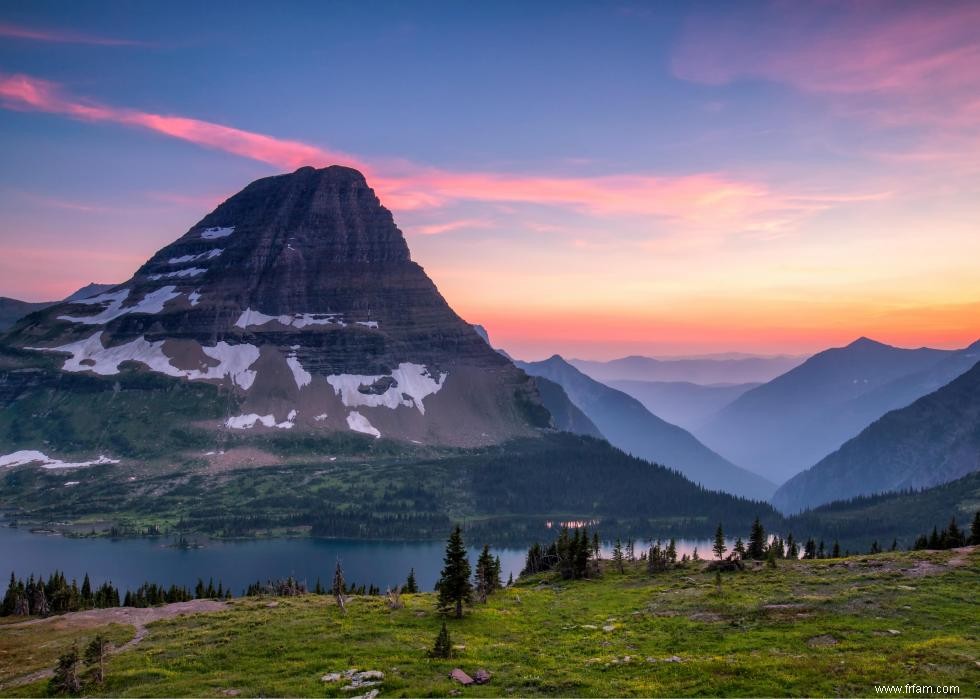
791, 422
928, 443
628, 425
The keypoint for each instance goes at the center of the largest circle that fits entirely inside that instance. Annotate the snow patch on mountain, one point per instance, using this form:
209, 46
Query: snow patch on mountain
194, 297
368, 323
151, 303
179, 274
359, 423
247, 422
20, 458
300, 375
209, 255
250, 318
90, 355
411, 384
217, 232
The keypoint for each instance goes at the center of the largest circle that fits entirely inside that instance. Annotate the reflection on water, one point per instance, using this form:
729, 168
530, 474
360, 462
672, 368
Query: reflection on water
130, 562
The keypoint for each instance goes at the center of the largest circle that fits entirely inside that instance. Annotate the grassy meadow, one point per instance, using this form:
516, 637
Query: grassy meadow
807, 628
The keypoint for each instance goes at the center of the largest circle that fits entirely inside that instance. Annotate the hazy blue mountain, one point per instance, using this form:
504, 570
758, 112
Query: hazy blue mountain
565, 415
628, 425
934, 440
682, 403
790, 423
700, 370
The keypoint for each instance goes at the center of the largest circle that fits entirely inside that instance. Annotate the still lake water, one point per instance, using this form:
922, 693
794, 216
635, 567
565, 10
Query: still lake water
127, 563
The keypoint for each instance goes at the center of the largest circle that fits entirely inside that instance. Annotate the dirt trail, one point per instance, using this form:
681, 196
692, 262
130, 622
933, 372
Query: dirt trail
94, 618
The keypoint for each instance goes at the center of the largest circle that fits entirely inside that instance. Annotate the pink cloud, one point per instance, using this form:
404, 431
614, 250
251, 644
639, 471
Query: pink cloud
916, 63
704, 198
59, 36
450, 226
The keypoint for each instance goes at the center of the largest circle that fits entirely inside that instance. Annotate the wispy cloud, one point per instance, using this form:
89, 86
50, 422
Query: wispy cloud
61, 36
899, 64
713, 199
450, 226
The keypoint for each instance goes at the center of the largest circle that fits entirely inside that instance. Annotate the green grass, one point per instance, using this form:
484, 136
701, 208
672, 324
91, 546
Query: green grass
545, 637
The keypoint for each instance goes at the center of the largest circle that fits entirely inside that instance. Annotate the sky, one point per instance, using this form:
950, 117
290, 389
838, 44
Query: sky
592, 179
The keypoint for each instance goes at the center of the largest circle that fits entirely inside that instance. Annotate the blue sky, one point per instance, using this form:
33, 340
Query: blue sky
609, 178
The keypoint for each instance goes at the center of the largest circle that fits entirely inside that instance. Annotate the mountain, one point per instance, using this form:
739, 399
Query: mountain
628, 425
297, 302
934, 440
88, 291
565, 415
682, 403
12, 310
285, 364
793, 421
701, 370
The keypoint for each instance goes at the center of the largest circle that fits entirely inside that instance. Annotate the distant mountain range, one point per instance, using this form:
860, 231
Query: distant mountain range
12, 310
793, 421
682, 403
628, 425
934, 440
712, 369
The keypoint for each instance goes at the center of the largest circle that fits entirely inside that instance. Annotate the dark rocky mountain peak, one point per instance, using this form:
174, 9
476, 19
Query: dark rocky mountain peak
299, 292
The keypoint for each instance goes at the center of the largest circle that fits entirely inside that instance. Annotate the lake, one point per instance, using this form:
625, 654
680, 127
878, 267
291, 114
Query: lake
127, 563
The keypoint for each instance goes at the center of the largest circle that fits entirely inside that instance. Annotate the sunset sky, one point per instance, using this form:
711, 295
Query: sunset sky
594, 179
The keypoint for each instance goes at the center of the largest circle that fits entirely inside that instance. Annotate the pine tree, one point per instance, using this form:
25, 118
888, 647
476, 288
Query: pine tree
757, 541
792, 549
66, 679
739, 549
695, 556
95, 656
974, 530
617, 556
443, 647
10, 598
86, 593
955, 537
771, 557
487, 579
338, 588
454, 584
719, 547
836, 552
411, 586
